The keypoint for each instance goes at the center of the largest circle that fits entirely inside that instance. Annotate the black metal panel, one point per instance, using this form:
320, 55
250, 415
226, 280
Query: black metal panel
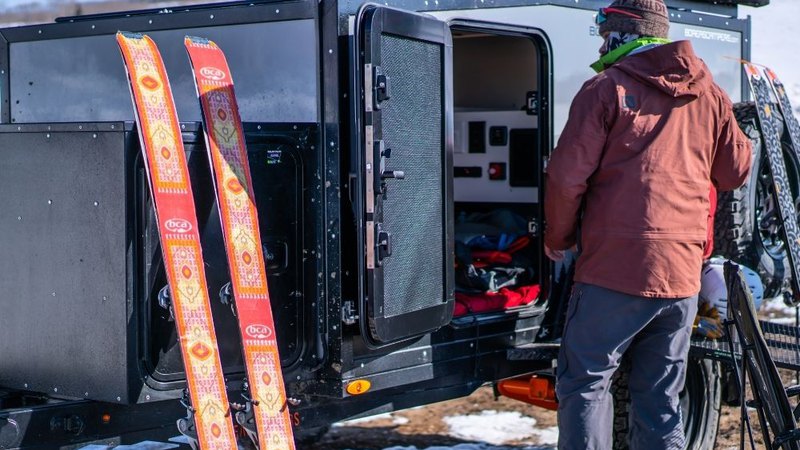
278, 83
407, 228
66, 314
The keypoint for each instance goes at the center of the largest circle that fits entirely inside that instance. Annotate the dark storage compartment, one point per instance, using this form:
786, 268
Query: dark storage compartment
276, 155
497, 163
82, 259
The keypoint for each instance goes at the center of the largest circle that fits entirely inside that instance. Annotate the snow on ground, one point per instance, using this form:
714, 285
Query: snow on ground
778, 311
494, 427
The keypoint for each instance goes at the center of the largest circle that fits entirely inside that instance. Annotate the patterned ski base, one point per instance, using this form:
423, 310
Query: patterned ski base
768, 119
234, 189
789, 119
168, 178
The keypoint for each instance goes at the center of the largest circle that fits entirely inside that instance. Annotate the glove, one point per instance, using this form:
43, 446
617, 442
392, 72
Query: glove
707, 323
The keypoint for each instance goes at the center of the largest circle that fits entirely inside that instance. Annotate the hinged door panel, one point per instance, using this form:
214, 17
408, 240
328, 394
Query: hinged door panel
404, 76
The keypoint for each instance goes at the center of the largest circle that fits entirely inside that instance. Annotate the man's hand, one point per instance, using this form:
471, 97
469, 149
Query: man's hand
555, 255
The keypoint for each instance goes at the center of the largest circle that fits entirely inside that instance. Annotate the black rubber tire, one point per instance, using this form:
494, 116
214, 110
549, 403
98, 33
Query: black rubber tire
700, 404
736, 234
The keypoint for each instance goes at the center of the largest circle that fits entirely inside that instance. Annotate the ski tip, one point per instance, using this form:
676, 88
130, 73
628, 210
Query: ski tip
195, 40
770, 74
751, 70
129, 35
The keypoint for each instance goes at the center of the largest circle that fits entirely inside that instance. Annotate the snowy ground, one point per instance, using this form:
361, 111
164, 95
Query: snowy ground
489, 429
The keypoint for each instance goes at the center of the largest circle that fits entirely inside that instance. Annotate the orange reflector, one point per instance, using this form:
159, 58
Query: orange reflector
538, 390
358, 387
106, 418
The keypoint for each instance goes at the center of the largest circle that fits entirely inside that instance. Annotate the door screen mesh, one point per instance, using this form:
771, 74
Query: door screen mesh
413, 210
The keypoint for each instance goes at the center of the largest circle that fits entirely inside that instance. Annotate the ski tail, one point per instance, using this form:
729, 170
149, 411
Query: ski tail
233, 187
170, 186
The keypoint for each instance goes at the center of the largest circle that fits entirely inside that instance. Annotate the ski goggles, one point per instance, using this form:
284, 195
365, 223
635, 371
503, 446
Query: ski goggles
602, 14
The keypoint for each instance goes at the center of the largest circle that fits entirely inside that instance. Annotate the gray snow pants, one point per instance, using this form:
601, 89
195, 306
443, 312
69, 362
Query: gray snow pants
601, 325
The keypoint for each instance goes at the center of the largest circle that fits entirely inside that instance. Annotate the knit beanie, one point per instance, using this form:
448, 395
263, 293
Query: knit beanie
654, 19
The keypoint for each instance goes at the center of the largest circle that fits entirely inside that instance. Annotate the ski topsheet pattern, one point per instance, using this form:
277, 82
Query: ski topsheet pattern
168, 178
768, 119
237, 210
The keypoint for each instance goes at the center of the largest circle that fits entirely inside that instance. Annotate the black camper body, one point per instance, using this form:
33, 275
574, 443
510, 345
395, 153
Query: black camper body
469, 97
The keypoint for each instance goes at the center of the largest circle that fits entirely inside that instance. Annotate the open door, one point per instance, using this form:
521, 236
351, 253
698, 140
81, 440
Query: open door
404, 134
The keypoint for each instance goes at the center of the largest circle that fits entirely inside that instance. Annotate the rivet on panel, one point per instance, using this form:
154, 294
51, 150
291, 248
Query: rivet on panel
277, 11
183, 126
49, 202
119, 398
96, 203
211, 16
258, 127
150, 21
55, 389
19, 217
48, 135
94, 136
93, 27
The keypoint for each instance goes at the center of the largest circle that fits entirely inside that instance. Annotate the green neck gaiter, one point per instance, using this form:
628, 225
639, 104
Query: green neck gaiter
620, 52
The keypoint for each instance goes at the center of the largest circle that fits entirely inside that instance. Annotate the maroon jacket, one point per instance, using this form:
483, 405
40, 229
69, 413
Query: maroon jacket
643, 141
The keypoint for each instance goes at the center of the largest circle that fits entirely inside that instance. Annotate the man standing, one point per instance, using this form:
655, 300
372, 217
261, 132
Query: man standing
645, 139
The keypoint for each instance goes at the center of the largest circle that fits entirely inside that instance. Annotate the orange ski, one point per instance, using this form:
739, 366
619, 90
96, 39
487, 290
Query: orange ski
168, 178
237, 210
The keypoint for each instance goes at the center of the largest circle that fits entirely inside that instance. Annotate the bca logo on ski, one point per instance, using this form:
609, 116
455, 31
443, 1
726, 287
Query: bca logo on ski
178, 225
257, 331
212, 73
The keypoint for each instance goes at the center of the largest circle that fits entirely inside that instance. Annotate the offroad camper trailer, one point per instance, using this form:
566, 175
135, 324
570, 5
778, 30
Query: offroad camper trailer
373, 132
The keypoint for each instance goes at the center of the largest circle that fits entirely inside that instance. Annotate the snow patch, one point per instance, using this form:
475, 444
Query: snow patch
775, 307
547, 436
492, 427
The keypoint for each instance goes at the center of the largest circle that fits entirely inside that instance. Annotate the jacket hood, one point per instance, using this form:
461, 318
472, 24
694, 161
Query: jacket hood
672, 68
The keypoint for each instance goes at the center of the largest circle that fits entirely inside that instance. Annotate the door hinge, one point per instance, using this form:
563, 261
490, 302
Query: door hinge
381, 87
349, 314
384, 245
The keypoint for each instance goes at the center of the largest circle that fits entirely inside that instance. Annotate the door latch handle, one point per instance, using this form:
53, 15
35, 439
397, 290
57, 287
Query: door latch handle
396, 174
